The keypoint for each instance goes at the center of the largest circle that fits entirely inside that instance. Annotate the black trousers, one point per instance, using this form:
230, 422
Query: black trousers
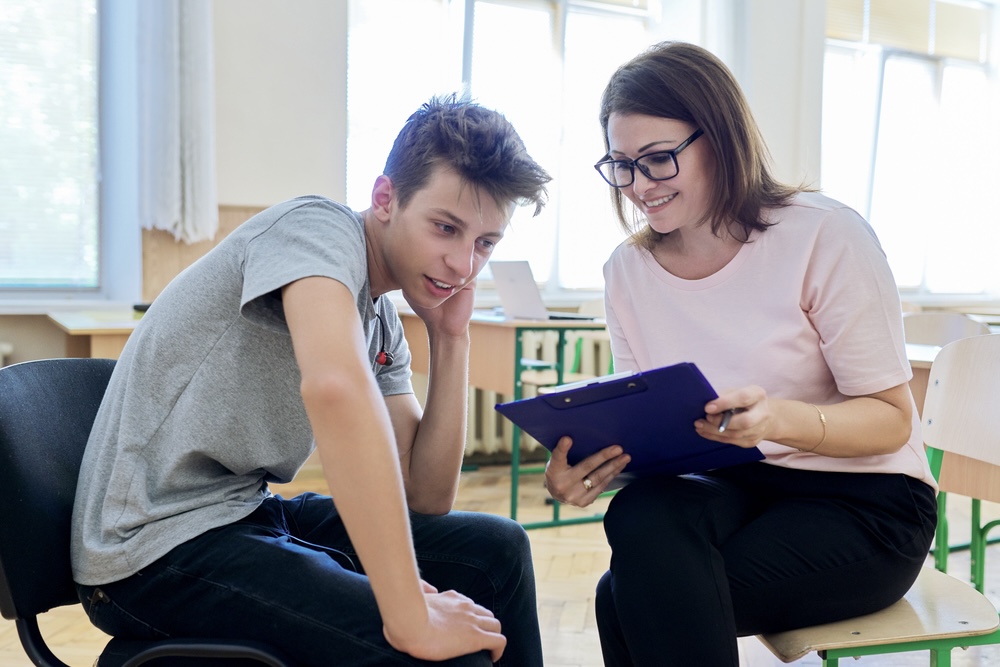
698, 561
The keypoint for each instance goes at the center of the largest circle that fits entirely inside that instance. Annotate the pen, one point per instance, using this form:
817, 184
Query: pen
726, 416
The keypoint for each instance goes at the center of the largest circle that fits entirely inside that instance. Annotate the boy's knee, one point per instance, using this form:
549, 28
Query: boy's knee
511, 540
501, 533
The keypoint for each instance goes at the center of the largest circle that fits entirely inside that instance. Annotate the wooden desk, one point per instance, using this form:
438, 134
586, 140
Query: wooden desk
496, 364
495, 355
99, 334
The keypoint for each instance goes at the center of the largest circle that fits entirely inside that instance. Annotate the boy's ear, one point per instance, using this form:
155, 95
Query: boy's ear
383, 196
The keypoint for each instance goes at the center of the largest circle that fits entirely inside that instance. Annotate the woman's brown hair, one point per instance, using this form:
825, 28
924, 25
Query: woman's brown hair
685, 82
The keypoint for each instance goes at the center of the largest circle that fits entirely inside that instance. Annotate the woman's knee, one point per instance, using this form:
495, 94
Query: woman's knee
671, 509
636, 509
603, 601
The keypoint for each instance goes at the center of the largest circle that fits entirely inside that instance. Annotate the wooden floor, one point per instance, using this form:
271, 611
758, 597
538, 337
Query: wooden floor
568, 562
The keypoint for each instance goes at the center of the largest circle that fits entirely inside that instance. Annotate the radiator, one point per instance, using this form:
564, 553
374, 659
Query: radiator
487, 431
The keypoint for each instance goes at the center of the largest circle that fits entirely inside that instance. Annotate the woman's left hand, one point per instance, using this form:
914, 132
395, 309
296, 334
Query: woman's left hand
580, 485
749, 422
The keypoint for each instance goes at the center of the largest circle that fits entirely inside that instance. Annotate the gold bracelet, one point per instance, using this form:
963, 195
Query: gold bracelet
822, 421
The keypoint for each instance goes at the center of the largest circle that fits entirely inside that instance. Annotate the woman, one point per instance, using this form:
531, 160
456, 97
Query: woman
784, 299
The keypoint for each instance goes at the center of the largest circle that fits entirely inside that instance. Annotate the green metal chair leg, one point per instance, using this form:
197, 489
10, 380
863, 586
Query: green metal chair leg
941, 549
977, 547
940, 658
984, 542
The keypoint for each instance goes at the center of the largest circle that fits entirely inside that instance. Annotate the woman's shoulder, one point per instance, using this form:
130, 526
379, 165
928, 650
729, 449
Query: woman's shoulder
814, 205
626, 256
816, 215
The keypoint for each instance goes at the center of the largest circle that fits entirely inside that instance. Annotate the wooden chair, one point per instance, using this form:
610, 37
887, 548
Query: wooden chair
936, 328
940, 612
941, 328
962, 434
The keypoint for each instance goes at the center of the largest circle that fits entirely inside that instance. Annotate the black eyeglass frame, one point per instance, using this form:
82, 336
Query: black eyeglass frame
632, 164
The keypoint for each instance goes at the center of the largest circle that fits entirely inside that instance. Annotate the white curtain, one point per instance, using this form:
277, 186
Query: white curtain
177, 182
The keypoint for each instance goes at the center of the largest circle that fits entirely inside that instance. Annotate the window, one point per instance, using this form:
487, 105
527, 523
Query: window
910, 138
543, 65
48, 130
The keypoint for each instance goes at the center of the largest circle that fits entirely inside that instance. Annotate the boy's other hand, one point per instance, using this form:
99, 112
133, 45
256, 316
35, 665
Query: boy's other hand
455, 626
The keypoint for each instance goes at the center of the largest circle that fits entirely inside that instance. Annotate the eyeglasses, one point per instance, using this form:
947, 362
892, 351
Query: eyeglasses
658, 166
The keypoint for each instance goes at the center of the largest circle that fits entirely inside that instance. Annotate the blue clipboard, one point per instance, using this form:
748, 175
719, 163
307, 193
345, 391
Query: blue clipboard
650, 414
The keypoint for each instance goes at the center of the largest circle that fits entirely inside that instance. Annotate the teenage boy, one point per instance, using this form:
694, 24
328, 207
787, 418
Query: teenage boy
281, 339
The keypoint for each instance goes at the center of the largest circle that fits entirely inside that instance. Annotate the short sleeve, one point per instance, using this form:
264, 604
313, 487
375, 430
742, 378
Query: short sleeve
395, 378
851, 298
315, 237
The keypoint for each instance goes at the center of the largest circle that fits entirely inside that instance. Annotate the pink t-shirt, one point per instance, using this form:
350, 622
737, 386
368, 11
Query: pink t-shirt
808, 310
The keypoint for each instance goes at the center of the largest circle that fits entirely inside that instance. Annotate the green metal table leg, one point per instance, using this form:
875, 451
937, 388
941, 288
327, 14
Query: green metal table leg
516, 469
515, 440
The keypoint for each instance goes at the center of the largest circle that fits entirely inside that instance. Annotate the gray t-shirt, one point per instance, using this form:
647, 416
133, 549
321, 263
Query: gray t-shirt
204, 408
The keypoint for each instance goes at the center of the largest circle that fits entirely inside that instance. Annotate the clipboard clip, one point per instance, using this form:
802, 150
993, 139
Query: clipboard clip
595, 393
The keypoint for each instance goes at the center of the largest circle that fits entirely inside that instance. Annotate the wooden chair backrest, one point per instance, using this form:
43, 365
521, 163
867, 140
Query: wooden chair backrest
940, 328
961, 416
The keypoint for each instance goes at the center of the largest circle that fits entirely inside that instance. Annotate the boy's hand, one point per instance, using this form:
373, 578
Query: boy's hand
452, 317
455, 626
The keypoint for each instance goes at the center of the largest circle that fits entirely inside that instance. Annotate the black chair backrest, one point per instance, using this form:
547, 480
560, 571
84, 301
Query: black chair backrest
47, 409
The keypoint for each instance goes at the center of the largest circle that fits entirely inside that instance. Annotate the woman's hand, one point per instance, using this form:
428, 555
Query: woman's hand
750, 418
580, 485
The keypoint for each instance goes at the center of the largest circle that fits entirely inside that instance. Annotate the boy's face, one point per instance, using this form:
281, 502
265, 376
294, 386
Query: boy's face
442, 239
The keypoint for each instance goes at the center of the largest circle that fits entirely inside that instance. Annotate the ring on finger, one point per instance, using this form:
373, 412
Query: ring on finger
588, 483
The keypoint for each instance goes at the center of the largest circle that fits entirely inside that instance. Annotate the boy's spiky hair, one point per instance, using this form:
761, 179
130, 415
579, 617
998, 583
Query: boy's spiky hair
477, 143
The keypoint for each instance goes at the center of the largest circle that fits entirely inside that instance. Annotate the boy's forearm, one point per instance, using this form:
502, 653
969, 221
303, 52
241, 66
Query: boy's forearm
360, 465
439, 444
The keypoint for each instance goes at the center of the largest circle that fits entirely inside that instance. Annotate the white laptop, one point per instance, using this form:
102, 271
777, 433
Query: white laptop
520, 296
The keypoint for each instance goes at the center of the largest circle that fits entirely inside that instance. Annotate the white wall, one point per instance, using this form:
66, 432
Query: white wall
281, 82
778, 59
281, 99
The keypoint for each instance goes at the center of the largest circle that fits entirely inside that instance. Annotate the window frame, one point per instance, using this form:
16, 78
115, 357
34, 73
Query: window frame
119, 233
937, 66
552, 288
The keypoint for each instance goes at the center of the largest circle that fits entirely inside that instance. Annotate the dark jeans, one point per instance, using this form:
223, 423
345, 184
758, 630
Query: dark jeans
699, 560
288, 575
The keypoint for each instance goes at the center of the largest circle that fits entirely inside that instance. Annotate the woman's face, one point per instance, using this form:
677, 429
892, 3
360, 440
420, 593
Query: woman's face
676, 203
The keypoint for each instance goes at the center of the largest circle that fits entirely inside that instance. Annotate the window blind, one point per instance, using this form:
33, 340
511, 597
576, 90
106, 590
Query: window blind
954, 29
48, 133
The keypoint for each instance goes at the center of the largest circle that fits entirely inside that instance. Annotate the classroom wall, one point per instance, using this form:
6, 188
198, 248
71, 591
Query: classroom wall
280, 117
281, 86
281, 99
281, 108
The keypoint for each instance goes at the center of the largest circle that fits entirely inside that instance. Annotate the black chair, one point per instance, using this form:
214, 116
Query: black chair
47, 409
